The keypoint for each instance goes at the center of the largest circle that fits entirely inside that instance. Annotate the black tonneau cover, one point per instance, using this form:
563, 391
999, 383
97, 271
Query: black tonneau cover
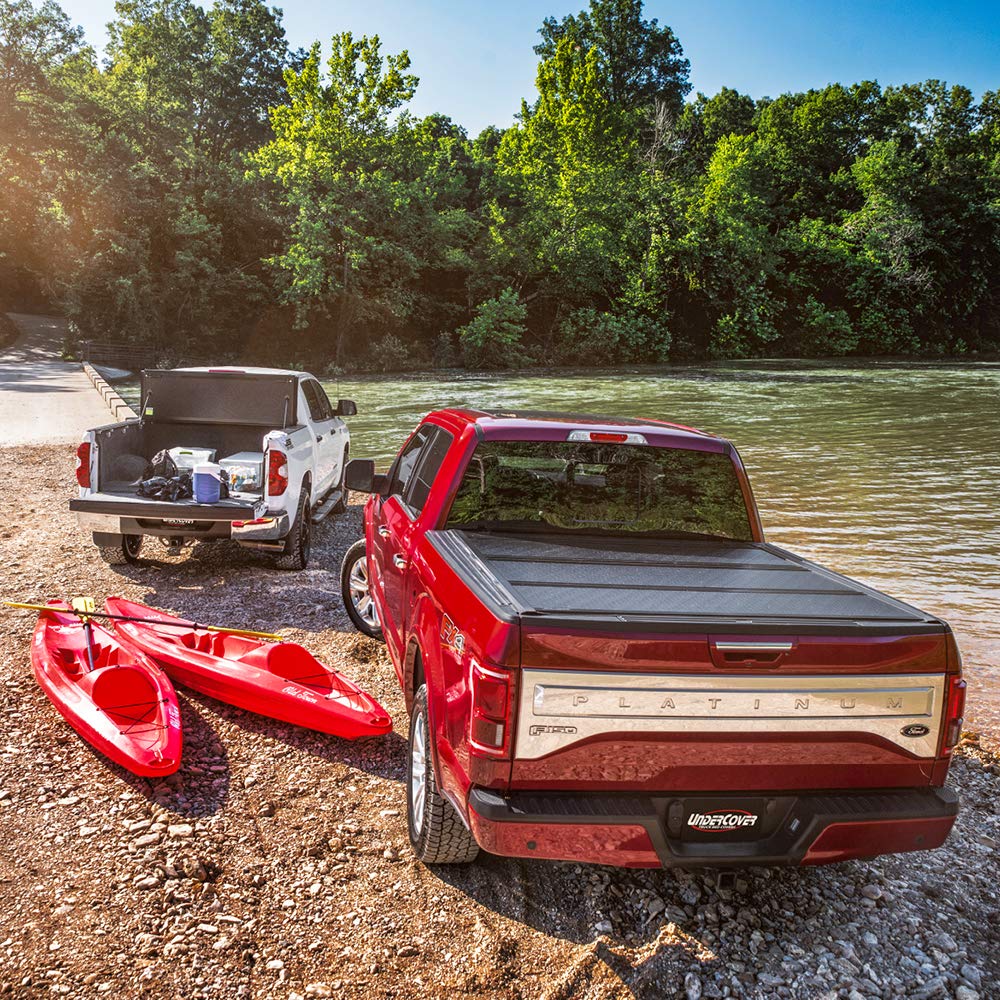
686, 585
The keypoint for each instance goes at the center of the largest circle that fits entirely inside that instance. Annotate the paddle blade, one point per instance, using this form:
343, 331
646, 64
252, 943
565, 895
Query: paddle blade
84, 605
26, 607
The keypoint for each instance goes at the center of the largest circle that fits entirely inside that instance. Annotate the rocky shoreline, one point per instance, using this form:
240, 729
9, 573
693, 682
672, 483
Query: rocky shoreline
276, 863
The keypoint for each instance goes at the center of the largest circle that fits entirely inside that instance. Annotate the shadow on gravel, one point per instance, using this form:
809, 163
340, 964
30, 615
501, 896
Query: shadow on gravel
548, 896
587, 906
201, 786
382, 756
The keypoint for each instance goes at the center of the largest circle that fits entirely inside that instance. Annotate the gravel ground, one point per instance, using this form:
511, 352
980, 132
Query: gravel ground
276, 864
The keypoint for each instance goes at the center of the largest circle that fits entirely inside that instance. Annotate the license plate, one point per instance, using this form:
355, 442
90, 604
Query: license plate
177, 522
742, 819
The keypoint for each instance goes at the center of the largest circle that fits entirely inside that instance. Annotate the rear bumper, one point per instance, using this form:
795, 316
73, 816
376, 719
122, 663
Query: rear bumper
245, 521
649, 831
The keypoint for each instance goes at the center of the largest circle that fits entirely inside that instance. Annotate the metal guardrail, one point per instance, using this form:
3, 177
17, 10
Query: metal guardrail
127, 356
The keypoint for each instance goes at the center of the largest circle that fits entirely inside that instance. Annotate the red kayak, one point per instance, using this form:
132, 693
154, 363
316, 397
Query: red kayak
116, 698
279, 679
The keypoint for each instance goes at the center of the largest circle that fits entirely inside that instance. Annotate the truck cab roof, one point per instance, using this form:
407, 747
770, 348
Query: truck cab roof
498, 424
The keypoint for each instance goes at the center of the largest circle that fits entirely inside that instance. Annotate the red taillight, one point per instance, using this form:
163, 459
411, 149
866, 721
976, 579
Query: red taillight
491, 702
277, 472
955, 716
83, 465
608, 437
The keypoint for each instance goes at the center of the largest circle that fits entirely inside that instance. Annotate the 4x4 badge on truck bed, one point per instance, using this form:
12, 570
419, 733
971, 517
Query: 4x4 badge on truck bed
451, 635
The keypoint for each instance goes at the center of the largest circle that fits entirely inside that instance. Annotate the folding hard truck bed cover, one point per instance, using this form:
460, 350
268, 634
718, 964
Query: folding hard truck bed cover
684, 584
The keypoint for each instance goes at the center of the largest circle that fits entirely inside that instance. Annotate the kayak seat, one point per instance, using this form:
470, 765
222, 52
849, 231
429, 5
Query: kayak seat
72, 652
69, 659
201, 642
106, 655
291, 661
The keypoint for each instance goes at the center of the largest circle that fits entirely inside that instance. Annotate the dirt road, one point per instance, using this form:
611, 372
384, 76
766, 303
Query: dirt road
276, 862
43, 399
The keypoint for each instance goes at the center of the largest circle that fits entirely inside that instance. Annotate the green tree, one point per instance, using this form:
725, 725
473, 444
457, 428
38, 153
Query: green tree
492, 339
563, 222
204, 189
363, 222
641, 63
731, 256
35, 43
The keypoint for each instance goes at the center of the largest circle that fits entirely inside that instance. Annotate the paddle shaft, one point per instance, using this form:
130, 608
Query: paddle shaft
146, 621
90, 640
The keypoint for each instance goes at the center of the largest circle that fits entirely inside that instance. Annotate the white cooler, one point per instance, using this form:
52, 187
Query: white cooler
245, 470
187, 458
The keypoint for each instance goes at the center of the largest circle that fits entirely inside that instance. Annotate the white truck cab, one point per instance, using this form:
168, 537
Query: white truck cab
277, 423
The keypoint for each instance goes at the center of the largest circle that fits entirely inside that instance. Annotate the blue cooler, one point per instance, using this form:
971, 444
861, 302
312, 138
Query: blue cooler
206, 482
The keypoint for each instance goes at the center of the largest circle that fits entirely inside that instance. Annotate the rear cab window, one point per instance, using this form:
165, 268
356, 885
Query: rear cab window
406, 461
317, 400
438, 445
604, 489
417, 465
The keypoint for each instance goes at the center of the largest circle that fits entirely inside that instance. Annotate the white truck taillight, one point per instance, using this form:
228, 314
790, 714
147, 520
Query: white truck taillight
83, 465
492, 698
954, 718
277, 472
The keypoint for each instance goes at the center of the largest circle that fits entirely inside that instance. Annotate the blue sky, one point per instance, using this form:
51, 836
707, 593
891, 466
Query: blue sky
475, 62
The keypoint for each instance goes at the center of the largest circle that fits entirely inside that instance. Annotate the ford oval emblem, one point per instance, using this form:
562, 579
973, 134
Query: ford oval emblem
915, 729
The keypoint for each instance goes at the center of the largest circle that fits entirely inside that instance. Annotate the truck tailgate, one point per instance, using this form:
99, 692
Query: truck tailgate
125, 505
646, 731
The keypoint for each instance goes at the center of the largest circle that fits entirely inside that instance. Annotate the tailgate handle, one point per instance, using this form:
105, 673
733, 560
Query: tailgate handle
753, 652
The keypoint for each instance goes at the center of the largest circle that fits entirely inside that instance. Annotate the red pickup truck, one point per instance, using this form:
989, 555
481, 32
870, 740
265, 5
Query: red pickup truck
604, 660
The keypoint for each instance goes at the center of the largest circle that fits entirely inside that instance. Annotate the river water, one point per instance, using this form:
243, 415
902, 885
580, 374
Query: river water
888, 472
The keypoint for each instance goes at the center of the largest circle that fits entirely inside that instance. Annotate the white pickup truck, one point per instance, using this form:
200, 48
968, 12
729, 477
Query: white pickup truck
279, 423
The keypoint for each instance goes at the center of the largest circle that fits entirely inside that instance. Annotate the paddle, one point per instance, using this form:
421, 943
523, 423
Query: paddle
143, 621
84, 607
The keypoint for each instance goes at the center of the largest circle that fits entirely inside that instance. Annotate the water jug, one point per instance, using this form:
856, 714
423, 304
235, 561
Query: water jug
206, 482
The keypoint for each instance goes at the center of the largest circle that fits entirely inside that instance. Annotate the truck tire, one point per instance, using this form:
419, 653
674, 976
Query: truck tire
437, 833
125, 552
298, 543
356, 593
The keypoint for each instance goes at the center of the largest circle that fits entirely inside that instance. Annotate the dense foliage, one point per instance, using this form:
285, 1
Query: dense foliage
204, 189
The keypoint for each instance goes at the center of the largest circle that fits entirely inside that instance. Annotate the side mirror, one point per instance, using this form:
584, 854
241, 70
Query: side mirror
346, 408
360, 476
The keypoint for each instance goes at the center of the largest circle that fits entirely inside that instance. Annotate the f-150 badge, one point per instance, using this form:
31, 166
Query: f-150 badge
451, 636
